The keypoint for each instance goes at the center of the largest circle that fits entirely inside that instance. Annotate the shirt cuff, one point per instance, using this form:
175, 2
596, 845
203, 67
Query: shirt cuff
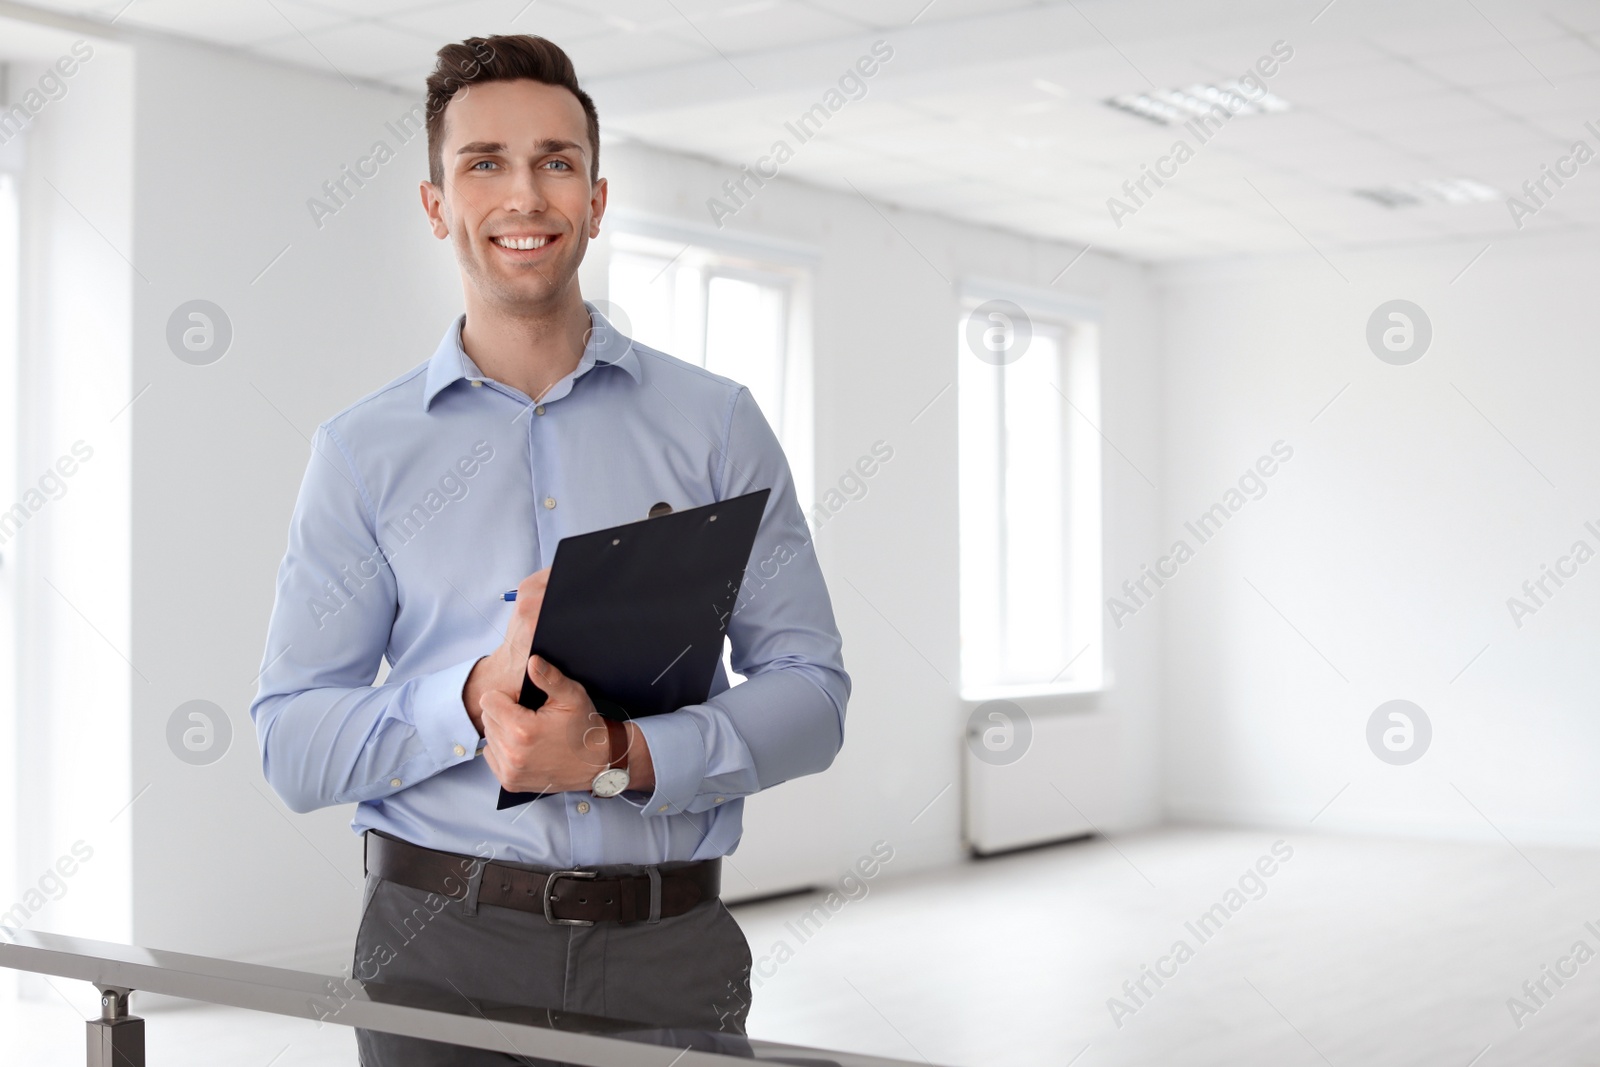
440, 717
678, 753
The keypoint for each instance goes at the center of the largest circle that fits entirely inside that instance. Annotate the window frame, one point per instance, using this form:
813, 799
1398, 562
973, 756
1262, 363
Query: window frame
1076, 323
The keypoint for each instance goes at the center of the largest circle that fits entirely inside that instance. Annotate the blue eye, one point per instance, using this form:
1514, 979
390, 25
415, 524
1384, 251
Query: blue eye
559, 163
483, 162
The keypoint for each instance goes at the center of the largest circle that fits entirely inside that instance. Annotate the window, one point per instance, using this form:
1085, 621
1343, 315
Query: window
9, 438
733, 315
736, 314
1028, 385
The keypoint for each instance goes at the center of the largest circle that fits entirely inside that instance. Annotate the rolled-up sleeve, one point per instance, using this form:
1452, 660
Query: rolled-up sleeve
327, 734
786, 719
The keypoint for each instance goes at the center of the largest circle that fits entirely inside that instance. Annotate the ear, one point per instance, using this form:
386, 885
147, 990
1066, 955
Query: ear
597, 207
433, 207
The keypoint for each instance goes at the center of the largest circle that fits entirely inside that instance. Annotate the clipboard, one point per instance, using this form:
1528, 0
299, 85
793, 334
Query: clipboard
637, 613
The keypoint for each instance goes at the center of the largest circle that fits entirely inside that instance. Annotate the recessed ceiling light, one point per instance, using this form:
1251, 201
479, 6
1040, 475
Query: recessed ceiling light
1171, 106
1044, 85
1452, 191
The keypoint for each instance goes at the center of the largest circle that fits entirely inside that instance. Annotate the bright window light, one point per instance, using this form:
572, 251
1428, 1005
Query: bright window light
9, 438
1030, 514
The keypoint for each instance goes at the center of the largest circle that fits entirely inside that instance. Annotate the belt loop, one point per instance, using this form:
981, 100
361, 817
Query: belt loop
469, 906
366, 837
655, 893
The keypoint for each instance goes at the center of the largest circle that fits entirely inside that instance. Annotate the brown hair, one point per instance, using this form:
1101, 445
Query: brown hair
501, 58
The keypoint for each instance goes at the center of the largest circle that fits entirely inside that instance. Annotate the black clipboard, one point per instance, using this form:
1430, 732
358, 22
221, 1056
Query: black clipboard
637, 613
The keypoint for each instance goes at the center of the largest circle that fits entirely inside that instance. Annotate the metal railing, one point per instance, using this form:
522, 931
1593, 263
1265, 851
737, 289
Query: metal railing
116, 1039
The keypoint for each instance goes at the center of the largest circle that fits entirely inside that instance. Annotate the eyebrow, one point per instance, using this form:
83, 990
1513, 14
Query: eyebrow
544, 147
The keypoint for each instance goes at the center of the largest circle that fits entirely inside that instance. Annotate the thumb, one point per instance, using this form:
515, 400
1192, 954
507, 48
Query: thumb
557, 686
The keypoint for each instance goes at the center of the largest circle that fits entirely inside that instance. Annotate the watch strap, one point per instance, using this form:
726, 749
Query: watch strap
618, 735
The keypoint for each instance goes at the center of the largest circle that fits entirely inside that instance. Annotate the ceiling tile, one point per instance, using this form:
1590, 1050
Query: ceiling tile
236, 24
355, 49
900, 13
480, 18
1495, 64
1322, 86
369, 9
764, 24
633, 52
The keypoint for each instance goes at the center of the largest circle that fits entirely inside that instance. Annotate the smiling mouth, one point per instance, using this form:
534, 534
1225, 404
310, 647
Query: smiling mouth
524, 244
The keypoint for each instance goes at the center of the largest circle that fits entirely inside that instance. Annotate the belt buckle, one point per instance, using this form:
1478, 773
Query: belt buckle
549, 884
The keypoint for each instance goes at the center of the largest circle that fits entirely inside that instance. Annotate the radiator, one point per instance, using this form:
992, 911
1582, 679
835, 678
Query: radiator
1065, 784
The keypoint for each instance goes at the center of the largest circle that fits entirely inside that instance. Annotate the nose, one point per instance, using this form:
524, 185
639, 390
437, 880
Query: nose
523, 194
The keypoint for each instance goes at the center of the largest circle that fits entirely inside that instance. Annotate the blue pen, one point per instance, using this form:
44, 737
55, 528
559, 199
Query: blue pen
509, 595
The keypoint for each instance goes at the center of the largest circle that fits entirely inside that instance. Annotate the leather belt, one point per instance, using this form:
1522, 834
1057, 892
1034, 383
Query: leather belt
579, 897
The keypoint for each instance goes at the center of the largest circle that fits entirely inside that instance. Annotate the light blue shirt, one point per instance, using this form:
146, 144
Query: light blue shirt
427, 499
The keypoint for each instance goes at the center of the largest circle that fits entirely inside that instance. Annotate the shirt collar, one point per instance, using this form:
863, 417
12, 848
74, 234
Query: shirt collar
605, 346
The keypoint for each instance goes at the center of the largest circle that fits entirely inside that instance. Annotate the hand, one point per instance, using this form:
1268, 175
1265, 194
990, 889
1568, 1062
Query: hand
559, 747
503, 670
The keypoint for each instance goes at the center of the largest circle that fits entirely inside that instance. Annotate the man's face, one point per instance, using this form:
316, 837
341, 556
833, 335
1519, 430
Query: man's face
515, 161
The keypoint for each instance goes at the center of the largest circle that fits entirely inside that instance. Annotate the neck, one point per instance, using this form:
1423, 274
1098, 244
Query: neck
527, 350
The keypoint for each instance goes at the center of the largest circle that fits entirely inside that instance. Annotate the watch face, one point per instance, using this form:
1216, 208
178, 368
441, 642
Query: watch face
609, 783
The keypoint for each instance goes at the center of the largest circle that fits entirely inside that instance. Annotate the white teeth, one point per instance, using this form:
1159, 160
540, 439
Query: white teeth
522, 243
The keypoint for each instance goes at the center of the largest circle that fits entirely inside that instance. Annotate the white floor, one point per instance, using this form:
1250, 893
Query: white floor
1365, 952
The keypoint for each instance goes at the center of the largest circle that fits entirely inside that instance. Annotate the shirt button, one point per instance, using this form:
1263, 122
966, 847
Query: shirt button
476, 384
461, 750
395, 782
539, 410
549, 501
583, 807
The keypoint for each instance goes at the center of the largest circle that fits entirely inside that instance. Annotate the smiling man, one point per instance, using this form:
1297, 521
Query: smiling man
534, 419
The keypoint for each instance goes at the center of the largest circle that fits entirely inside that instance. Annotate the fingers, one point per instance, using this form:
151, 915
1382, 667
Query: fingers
530, 595
497, 708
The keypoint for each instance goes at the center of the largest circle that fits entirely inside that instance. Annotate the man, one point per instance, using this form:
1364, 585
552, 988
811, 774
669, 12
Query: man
425, 500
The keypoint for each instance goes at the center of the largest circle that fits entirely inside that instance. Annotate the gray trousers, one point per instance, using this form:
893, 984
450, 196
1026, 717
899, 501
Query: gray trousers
688, 972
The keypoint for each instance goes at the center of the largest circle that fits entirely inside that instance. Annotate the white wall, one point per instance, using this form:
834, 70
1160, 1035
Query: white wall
227, 151
1413, 507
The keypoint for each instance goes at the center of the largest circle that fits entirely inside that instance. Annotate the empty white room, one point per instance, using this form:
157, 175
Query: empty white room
867, 532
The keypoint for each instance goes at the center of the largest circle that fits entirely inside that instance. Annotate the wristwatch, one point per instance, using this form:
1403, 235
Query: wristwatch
614, 779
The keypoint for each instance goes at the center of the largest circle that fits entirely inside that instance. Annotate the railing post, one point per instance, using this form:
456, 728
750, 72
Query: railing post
116, 1039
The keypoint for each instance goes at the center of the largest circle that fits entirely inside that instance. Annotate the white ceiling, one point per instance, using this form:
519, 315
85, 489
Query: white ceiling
991, 110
